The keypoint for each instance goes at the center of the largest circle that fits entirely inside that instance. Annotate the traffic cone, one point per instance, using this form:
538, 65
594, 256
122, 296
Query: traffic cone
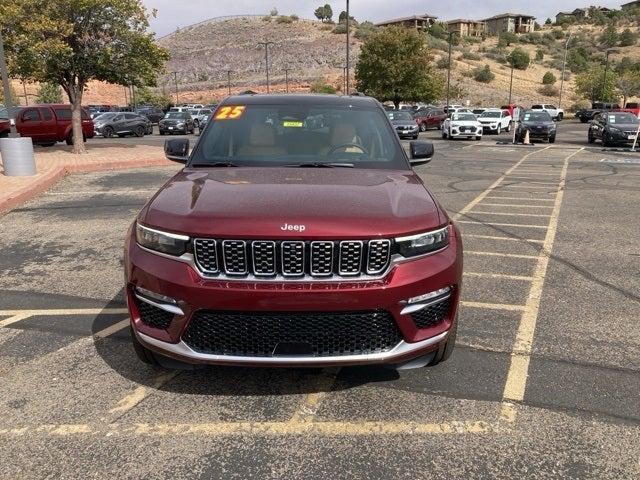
526, 138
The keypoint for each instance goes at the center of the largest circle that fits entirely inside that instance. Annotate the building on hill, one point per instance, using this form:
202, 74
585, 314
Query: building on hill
466, 28
581, 13
419, 22
631, 5
509, 22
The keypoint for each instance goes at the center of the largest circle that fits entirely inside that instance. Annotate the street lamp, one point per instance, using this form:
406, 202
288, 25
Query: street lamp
510, 84
564, 65
606, 68
286, 78
451, 34
229, 81
266, 58
348, 66
175, 81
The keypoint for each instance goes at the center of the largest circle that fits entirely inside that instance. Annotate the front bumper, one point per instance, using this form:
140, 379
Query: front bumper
193, 294
409, 133
474, 132
489, 128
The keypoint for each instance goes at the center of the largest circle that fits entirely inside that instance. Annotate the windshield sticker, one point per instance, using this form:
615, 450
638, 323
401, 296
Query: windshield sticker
230, 113
292, 124
527, 117
612, 119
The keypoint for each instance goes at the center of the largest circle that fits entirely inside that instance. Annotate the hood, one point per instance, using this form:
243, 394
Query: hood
625, 126
172, 121
538, 124
465, 123
402, 123
489, 120
258, 202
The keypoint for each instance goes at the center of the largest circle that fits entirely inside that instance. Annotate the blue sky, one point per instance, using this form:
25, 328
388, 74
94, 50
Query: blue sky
172, 13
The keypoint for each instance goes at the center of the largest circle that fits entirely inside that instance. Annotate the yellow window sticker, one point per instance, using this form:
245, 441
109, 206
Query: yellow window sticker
230, 112
292, 124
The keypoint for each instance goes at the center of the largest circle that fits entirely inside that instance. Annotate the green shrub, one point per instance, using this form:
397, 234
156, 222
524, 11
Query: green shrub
471, 56
549, 91
284, 19
443, 63
363, 30
548, 79
519, 59
340, 28
627, 38
320, 86
483, 74
539, 54
436, 43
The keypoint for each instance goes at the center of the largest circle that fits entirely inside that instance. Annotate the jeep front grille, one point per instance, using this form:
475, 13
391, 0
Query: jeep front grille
292, 259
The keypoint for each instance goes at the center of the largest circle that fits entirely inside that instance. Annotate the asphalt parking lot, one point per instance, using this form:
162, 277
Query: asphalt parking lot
544, 382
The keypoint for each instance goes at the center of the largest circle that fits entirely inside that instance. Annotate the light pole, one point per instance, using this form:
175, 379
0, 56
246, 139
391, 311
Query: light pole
344, 80
606, 68
451, 34
175, 81
13, 132
229, 81
286, 78
266, 58
348, 65
510, 84
564, 65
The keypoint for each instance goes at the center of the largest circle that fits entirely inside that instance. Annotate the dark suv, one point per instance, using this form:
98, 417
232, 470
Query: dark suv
297, 234
613, 128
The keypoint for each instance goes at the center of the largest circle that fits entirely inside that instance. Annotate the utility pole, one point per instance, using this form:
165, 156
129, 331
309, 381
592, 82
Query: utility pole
229, 81
175, 81
564, 66
286, 78
451, 34
266, 58
606, 69
348, 65
510, 85
344, 80
13, 132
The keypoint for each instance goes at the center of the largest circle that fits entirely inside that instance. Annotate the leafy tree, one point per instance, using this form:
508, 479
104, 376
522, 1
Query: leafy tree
548, 21
548, 79
320, 86
328, 12
539, 54
49, 93
395, 64
147, 96
578, 59
627, 38
519, 59
363, 30
274, 12
609, 37
507, 38
483, 74
319, 13
439, 30
71, 42
324, 13
628, 84
343, 17
591, 84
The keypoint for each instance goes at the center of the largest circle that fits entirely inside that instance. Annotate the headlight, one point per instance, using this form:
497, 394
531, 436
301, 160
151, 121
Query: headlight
180, 125
423, 242
163, 242
615, 130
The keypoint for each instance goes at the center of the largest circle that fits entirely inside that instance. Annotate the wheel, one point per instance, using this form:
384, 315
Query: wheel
445, 351
509, 127
552, 139
499, 130
139, 131
583, 120
144, 354
69, 139
478, 138
591, 138
605, 140
415, 137
107, 132
48, 144
560, 116
161, 132
423, 127
444, 134
196, 123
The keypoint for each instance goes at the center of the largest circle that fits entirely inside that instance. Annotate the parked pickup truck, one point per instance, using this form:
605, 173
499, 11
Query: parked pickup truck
427, 119
586, 115
632, 108
47, 124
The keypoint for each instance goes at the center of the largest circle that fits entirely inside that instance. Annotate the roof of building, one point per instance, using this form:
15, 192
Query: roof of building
464, 20
631, 3
508, 14
426, 16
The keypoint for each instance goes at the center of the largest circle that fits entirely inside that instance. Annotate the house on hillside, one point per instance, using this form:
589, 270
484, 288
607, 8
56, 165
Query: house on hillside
631, 5
466, 28
581, 13
509, 22
419, 22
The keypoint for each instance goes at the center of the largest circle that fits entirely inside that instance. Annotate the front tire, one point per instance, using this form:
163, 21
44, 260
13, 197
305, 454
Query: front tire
478, 138
139, 131
444, 351
509, 127
108, 132
423, 127
591, 138
144, 354
552, 139
560, 116
499, 130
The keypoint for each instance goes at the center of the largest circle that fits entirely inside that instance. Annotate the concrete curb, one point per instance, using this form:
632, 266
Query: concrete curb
50, 178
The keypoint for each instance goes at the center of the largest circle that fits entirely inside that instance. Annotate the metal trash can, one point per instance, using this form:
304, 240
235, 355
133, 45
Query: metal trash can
17, 156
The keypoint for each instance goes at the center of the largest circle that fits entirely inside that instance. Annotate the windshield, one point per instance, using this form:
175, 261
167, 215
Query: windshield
537, 117
490, 115
175, 115
291, 135
463, 117
622, 118
399, 116
105, 116
193, 111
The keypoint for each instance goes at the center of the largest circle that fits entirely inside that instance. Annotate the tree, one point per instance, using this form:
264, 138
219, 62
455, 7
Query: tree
320, 86
439, 30
147, 96
507, 38
518, 59
343, 17
49, 93
274, 12
395, 64
548, 79
71, 42
590, 84
628, 84
324, 13
609, 37
548, 21
627, 38
319, 13
328, 12
483, 74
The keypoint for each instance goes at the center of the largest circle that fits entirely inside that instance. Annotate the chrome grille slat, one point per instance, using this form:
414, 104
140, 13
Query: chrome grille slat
293, 260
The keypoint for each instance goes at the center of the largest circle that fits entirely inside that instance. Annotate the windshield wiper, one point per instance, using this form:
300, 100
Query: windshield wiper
321, 165
214, 164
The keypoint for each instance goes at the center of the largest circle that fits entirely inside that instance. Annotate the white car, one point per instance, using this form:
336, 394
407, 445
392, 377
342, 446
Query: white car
495, 121
555, 112
462, 125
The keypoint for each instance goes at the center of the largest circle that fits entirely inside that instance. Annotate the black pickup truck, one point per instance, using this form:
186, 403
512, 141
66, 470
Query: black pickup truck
586, 115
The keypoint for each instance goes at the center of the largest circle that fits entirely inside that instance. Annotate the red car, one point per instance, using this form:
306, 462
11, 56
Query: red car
47, 124
297, 234
427, 119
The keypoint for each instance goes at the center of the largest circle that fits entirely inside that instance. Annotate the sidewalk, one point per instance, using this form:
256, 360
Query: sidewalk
56, 162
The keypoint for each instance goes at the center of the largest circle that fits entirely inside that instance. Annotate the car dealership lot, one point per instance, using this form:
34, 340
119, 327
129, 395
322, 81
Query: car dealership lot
544, 382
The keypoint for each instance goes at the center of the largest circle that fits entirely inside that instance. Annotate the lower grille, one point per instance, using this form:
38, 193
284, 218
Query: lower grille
153, 316
257, 334
432, 315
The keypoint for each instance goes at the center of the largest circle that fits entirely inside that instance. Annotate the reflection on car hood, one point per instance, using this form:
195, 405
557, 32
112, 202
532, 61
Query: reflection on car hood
256, 202
402, 123
464, 123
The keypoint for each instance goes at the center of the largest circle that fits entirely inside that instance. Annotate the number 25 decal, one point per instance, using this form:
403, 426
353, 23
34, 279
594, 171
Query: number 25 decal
229, 113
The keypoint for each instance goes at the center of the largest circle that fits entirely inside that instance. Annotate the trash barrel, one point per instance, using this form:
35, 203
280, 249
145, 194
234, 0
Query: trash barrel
17, 156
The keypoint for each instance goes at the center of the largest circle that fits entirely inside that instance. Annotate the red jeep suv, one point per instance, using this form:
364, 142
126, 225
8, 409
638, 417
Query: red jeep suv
296, 235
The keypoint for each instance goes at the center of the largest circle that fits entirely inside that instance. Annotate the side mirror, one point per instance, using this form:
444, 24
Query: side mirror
421, 152
177, 150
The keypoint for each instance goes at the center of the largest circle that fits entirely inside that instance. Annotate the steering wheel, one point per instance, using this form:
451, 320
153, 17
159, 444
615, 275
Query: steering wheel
347, 145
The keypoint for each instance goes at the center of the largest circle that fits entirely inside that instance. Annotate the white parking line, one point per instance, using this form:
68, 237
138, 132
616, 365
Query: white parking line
513, 214
498, 275
508, 239
493, 306
515, 205
498, 254
521, 198
518, 225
